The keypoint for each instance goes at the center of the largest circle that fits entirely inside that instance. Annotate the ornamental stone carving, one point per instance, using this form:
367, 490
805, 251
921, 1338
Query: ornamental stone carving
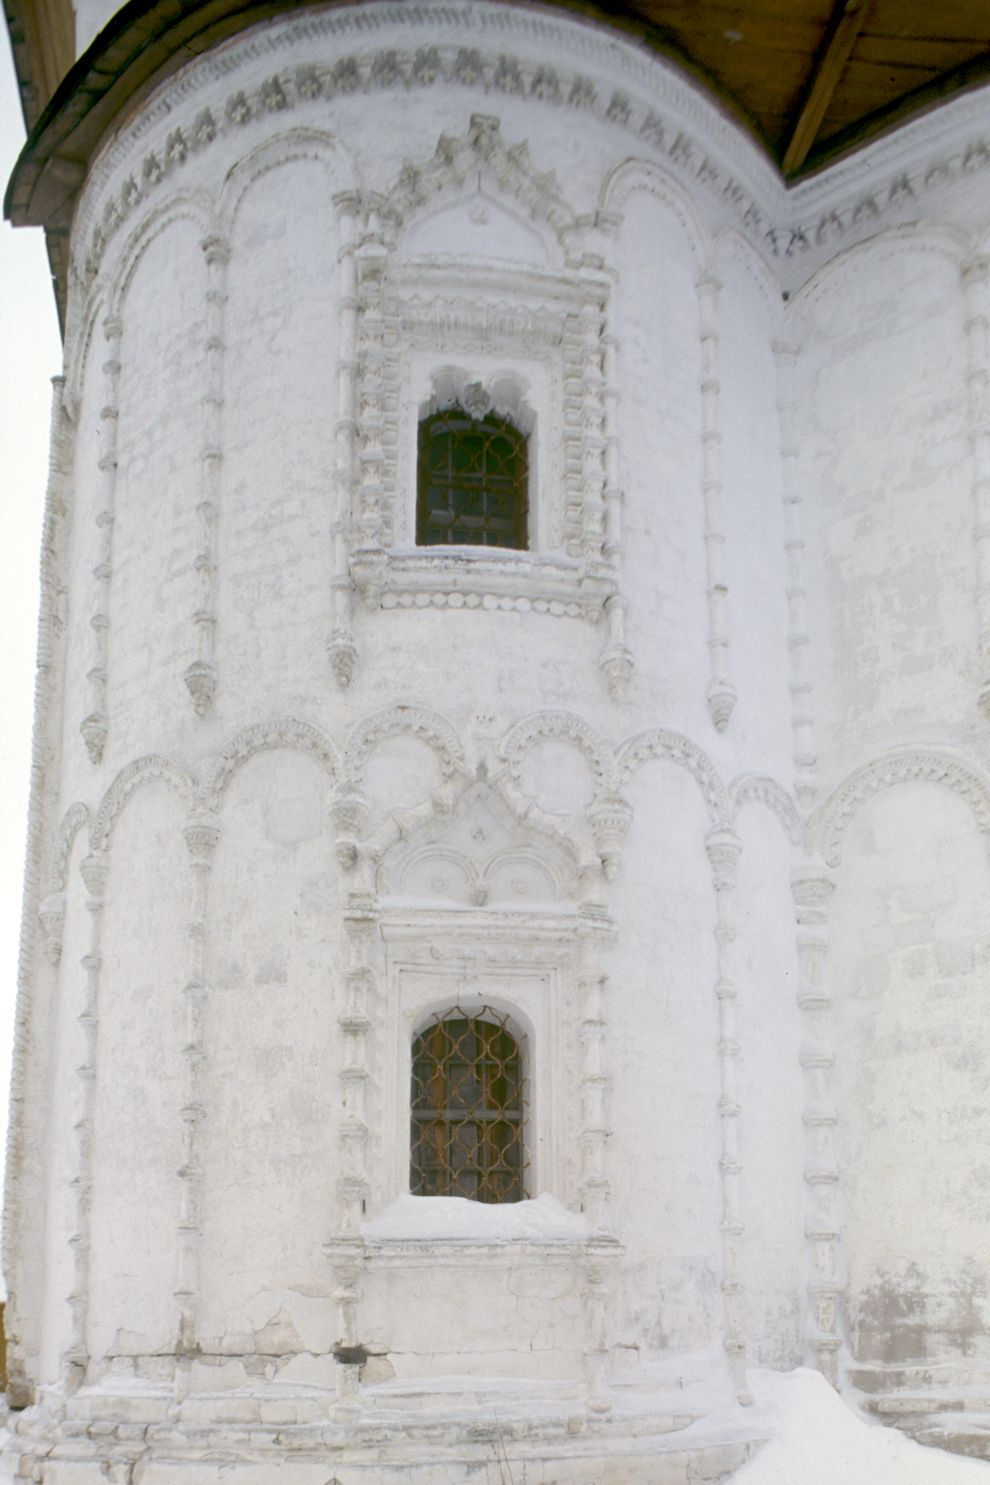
907, 766
784, 230
383, 789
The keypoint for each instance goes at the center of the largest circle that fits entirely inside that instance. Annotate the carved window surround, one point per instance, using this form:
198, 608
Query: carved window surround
523, 964
541, 967
426, 321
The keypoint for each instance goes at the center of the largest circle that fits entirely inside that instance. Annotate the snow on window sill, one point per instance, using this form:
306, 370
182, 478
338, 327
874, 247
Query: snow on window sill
448, 1219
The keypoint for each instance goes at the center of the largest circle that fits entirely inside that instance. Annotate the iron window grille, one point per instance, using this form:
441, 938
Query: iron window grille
473, 482
468, 1121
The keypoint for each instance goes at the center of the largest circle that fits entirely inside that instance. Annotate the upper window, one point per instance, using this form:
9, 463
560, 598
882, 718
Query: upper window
473, 482
467, 1108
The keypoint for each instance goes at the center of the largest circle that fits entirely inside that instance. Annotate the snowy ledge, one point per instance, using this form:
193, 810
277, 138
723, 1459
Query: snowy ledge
447, 1219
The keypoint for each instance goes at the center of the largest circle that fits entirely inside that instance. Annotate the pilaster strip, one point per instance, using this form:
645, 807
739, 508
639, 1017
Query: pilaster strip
594, 1186
594, 1085
616, 659
572, 444
94, 873
613, 489
802, 709
594, 290
721, 693
201, 834
95, 724
355, 1024
341, 649
723, 853
201, 675
812, 887
596, 1355
370, 259
976, 284
18, 1212
346, 1258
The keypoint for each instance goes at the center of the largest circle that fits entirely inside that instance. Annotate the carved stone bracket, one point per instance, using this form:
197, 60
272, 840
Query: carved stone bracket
609, 819
616, 660
350, 812
201, 682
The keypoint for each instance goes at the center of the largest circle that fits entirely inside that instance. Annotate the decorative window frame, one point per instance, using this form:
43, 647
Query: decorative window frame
542, 968
435, 960
417, 319
534, 323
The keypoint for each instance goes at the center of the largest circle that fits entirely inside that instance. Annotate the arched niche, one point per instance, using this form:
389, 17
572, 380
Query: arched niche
139, 1085
276, 965
658, 419
158, 482
746, 322
770, 1089
67, 1040
401, 771
663, 1037
278, 496
882, 409
910, 935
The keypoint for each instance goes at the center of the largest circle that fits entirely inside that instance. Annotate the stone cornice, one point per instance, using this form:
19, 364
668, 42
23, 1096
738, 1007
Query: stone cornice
485, 48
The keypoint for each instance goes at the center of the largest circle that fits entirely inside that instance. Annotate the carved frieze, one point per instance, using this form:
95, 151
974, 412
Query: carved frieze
921, 765
479, 854
652, 109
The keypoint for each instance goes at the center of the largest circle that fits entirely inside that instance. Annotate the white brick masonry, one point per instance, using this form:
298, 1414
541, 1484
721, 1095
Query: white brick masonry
697, 789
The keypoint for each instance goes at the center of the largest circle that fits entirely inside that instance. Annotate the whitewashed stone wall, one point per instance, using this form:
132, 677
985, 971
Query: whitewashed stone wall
724, 721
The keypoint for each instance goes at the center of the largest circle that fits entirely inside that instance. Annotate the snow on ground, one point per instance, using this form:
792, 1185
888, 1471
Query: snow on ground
440, 1218
817, 1439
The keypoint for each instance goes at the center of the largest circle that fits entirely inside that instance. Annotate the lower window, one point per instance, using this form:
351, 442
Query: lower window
468, 1114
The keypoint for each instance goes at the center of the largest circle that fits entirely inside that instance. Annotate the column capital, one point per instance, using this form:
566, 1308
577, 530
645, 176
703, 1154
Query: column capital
202, 833
812, 885
723, 847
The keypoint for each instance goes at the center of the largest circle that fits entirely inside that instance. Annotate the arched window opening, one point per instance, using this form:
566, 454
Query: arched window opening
473, 482
467, 1108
